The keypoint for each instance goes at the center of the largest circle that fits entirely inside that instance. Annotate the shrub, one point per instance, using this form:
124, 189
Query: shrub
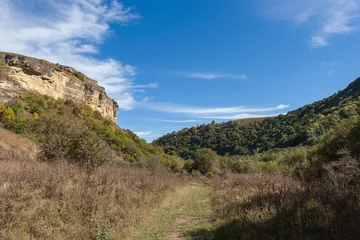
207, 161
79, 75
88, 150
88, 111
8, 114
71, 141
1, 66
2, 108
18, 126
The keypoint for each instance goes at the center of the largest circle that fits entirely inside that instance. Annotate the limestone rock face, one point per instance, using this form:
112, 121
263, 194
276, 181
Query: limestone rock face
21, 75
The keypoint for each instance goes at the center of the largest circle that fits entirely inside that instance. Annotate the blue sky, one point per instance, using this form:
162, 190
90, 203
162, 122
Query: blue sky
180, 63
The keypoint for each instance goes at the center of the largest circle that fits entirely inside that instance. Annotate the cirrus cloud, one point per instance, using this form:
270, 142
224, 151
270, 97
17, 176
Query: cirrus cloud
238, 112
328, 18
211, 76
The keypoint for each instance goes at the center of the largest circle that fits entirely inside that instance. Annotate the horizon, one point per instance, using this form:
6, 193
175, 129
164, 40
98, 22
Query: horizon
179, 64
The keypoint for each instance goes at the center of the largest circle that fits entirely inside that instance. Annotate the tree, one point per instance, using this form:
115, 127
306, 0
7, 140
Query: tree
207, 161
8, 114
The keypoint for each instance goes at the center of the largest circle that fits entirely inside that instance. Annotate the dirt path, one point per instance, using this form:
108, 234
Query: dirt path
187, 210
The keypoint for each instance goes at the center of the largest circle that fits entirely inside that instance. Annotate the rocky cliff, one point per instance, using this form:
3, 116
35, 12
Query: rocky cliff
20, 75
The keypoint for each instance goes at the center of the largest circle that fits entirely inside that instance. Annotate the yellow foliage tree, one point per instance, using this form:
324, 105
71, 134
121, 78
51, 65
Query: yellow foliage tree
8, 114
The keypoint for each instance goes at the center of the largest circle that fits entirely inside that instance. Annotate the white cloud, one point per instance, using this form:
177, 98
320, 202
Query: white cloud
143, 134
224, 113
331, 72
126, 101
211, 76
69, 32
318, 41
328, 18
150, 85
197, 111
331, 63
175, 121
147, 99
238, 116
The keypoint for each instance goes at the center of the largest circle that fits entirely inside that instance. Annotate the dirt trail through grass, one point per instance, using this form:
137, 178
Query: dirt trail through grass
187, 210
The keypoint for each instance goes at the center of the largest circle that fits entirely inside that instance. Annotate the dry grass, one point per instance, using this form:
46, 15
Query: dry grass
61, 201
234, 195
268, 206
14, 146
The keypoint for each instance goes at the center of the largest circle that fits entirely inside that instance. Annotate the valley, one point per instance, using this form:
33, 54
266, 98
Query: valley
68, 171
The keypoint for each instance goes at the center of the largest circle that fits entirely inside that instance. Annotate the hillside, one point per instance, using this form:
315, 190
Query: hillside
304, 126
35, 93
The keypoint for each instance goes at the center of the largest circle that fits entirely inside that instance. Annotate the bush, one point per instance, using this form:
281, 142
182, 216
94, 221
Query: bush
88, 111
1, 67
8, 114
207, 161
18, 126
71, 141
79, 75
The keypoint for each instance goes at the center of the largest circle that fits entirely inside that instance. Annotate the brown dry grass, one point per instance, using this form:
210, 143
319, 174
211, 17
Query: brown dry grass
245, 195
268, 206
61, 201
13, 146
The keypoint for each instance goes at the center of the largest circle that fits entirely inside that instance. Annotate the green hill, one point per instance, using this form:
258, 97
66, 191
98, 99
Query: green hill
304, 126
66, 129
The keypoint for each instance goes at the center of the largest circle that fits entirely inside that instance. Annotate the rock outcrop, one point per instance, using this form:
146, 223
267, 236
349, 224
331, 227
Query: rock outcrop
21, 75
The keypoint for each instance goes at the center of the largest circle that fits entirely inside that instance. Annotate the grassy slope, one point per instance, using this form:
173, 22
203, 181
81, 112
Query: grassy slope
40, 200
16, 146
21, 114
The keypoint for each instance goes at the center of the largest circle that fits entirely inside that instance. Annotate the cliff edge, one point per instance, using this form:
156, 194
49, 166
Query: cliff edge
21, 74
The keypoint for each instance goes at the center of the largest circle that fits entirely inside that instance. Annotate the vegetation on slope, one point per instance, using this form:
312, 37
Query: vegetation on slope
62, 126
304, 126
79, 186
318, 200
42, 200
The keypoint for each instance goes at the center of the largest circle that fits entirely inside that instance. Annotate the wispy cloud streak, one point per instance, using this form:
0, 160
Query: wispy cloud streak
199, 113
143, 134
239, 116
174, 108
175, 121
211, 76
328, 17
